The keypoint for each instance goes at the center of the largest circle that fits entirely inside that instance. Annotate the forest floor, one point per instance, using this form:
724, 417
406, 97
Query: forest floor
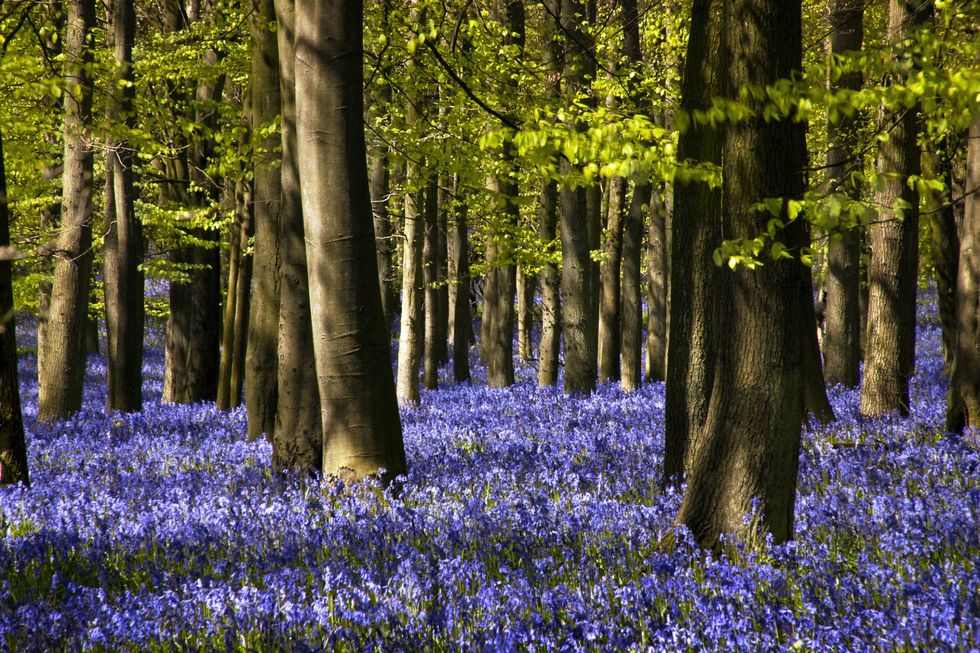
528, 520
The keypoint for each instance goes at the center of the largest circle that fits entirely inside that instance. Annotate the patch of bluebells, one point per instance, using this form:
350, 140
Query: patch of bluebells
529, 521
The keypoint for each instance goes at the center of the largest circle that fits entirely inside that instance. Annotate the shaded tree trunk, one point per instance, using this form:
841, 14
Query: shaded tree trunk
430, 267
361, 428
894, 239
610, 282
442, 273
525, 315
749, 448
657, 270
460, 275
695, 232
60, 387
123, 253
842, 320
13, 446
297, 441
632, 311
261, 384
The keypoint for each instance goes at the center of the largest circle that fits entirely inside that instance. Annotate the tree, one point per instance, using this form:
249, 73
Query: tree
842, 320
361, 427
123, 253
297, 439
460, 276
748, 447
60, 381
13, 448
966, 360
261, 381
894, 238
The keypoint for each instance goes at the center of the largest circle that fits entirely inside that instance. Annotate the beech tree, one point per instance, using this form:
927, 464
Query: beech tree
361, 427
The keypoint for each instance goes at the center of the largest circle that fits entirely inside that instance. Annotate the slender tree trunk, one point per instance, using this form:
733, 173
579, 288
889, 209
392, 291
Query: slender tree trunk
60, 387
13, 447
610, 282
657, 270
695, 233
579, 314
430, 248
261, 385
297, 442
966, 361
380, 179
814, 388
462, 319
894, 238
749, 448
441, 334
361, 428
123, 253
632, 311
550, 343
842, 321
410, 337
242, 291
224, 401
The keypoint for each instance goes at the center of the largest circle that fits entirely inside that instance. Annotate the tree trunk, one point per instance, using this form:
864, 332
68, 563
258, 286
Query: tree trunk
695, 233
632, 311
579, 314
262, 361
361, 427
657, 270
223, 402
123, 253
60, 387
749, 448
442, 274
13, 446
462, 319
430, 248
842, 320
297, 441
894, 238
966, 361
610, 282
410, 337
242, 291
525, 315
500, 290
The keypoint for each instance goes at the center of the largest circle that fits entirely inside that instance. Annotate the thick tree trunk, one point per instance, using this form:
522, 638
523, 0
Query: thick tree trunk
749, 448
966, 361
842, 320
894, 238
262, 361
361, 427
60, 387
430, 248
610, 282
695, 233
578, 291
297, 441
460, 275
123, 253
13, 447
632, 311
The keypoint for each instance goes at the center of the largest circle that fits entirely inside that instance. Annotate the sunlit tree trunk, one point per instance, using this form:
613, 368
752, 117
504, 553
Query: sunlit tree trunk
842, 320
60, 387
13, 447
297, 441
123, 249
261, 385
525, 315
361, 427
632, 311
430, 267
894, 238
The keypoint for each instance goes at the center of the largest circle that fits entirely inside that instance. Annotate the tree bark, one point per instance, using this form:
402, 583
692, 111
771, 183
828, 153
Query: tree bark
13, 446
525, 315
462, 319
430, 267
842, 320
297, 441
632, 312
361, 427
123, 253
966, 361
578, 292
60, 387
695, 233
657, 271
749, 448
261, 384
610, 282
410, 337
894, 238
